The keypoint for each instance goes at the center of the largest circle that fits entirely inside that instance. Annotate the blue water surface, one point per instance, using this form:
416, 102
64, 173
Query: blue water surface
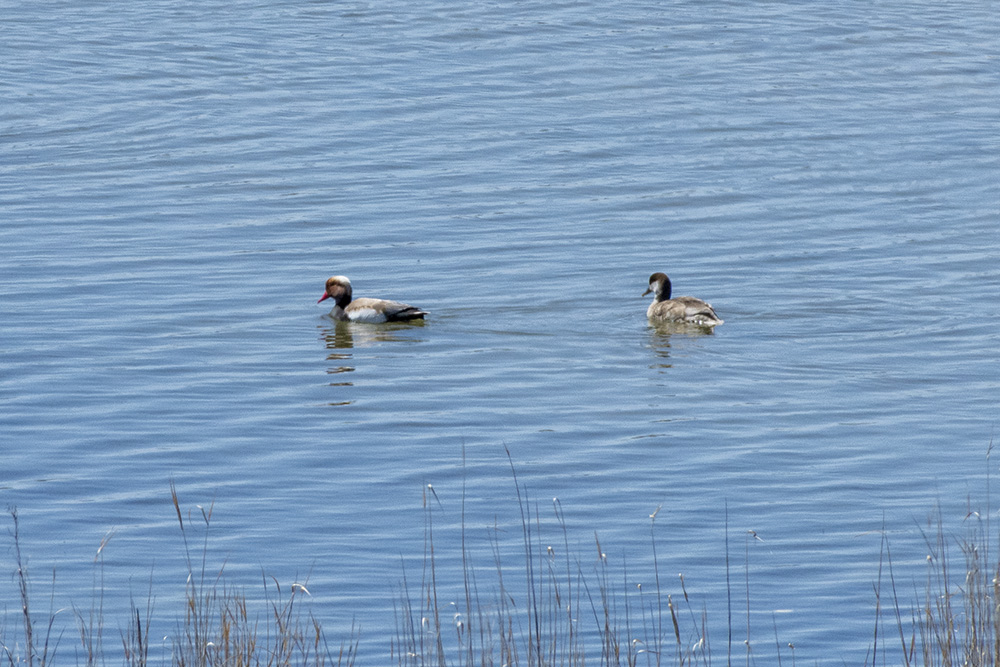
179, 179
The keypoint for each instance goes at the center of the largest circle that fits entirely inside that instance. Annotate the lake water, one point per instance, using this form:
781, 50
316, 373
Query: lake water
179, 179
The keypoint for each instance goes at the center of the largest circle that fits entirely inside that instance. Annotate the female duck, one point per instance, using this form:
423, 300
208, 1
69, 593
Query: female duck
338, 288
679, 309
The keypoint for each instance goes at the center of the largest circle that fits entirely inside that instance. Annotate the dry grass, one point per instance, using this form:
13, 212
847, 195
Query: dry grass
549, 608
217, 627
956, 617
36, 645
540, 606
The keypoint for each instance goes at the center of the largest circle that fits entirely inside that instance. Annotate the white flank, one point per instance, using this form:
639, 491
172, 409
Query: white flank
366, 315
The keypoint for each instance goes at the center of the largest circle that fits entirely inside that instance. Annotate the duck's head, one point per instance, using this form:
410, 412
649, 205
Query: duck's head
338, 288
659, 285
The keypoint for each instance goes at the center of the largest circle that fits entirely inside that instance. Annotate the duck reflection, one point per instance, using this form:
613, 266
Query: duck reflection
347, 335
342, 337
660, 334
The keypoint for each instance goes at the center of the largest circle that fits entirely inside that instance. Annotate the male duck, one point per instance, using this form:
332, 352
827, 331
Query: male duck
338, 288
679, 309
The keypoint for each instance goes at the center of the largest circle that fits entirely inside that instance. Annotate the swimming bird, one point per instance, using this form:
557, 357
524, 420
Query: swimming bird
679, 309
338, 288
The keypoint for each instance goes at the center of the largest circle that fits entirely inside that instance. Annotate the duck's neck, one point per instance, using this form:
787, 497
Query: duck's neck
343, 299
662, 293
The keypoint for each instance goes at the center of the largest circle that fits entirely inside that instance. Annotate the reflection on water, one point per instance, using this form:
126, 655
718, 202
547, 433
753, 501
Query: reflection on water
661, 333
667, 329
338, 337
341, 337
347, 335
340, 369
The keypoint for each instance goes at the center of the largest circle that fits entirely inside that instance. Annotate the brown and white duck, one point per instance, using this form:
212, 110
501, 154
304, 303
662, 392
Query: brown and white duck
679, 309
345, 309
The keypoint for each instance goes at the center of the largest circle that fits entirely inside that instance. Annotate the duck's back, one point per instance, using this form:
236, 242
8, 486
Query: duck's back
684, 309
381, 310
